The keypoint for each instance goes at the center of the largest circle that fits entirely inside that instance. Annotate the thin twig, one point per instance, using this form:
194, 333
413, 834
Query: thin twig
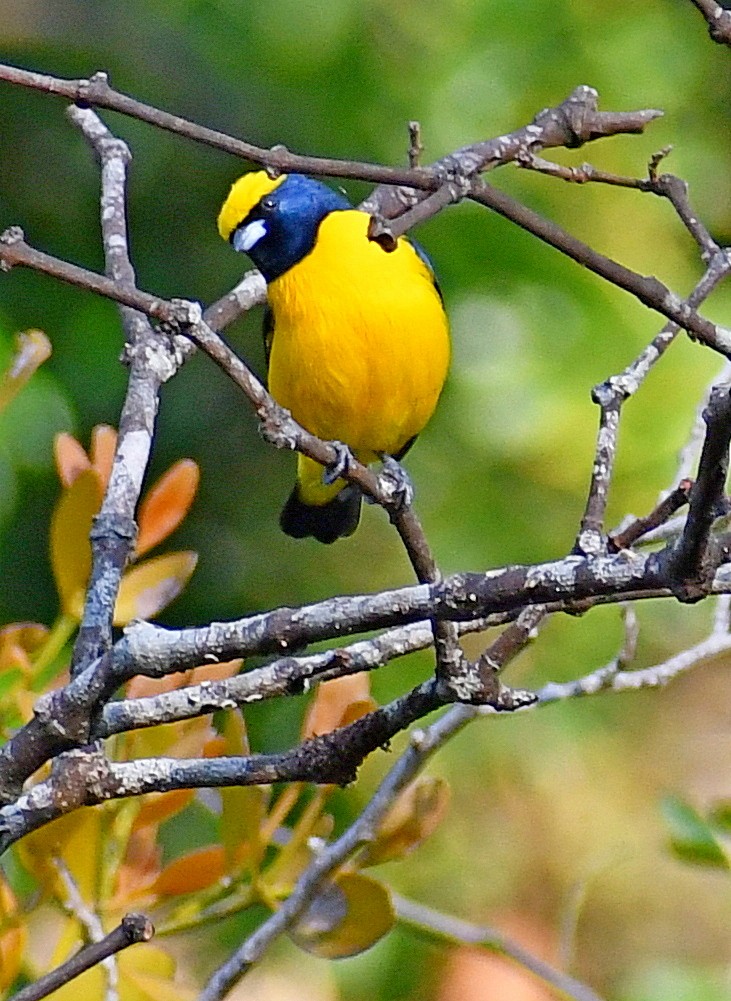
611, 395
445, 928
575, 121
75, 905
610, 679
424, 743
132, 929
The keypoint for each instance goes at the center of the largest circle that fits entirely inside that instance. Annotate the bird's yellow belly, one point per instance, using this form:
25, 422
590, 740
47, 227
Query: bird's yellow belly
371, 393
360, 348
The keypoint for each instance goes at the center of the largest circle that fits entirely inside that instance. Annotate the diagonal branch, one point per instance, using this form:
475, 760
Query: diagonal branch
132, 929
424, 743
718, 18
574, 122
445, 928
611, 395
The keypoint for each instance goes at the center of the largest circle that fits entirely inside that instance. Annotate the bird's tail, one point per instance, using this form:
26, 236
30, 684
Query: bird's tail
327, 522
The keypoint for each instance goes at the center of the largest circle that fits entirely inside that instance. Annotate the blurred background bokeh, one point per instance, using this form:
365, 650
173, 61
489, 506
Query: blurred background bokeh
554, 807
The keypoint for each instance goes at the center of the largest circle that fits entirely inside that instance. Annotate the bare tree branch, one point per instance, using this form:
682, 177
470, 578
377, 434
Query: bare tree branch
132, 929
445, 928
718, 18
424, 743
574, 122
611, 394
152, 360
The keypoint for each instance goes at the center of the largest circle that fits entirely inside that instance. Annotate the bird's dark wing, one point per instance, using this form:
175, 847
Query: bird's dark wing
425, 258
267, 331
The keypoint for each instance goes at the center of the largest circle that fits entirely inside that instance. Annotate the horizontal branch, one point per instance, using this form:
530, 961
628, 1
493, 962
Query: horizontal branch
574, 583
574, 122
85, 777
283, 676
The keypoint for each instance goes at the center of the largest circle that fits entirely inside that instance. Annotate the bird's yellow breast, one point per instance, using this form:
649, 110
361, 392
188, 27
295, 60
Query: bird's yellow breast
361, 344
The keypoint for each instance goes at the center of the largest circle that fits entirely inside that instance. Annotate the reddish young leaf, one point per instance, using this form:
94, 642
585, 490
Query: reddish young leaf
70, 458
416, 813
141, 686
28, 635
103, 447
331, 707
17, 642
215, 747
166, 503
160, 806
195, 871
138, 871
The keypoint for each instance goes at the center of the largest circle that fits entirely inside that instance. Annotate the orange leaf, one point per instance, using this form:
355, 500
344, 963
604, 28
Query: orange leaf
28, 635
70, 548
161, 806
138, 871
17, 642
333, 701
195, 871
140, 686
215, 747
12, 655
12, 939
148, 588
166, 503
413, 817
71, 459
103, 446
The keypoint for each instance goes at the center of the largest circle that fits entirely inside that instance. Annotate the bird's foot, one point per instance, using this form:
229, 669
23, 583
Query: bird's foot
396, 482
344, 459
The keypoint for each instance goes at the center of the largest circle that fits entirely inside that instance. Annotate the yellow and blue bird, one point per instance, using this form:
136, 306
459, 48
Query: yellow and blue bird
356, 337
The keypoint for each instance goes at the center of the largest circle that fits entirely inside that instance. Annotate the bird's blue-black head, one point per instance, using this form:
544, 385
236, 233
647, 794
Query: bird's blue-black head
276, 221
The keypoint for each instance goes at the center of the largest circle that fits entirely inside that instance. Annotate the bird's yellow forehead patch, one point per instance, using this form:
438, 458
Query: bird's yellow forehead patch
243, 196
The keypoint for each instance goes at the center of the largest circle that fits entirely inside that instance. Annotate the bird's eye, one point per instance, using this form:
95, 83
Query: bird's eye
268, 204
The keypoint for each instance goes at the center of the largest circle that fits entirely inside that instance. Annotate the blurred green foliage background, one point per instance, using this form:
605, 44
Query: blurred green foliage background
544, 803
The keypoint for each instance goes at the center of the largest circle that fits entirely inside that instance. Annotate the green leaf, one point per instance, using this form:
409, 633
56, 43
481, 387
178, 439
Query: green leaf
32, 348
673, 981
720, 816
10, 679
691, 837
243, 807
70, 548
348, 916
